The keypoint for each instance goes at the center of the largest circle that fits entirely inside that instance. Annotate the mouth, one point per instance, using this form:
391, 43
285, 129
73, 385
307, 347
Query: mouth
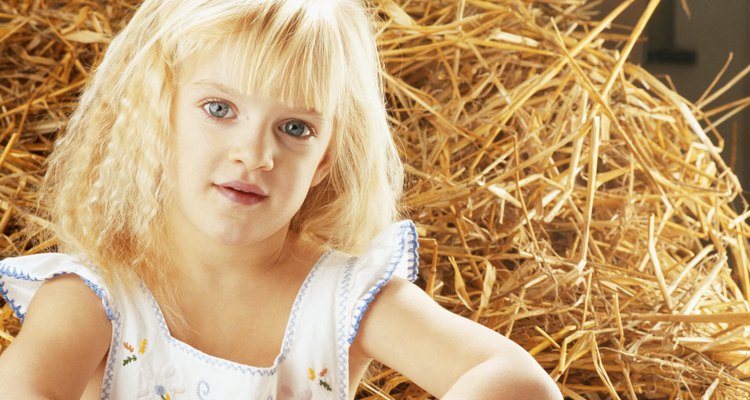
241, 193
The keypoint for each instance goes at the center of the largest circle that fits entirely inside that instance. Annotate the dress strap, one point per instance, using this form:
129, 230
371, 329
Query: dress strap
392, 253
21, 277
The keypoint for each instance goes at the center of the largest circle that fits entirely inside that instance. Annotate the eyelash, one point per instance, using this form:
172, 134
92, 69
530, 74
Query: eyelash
210, 117
310, 129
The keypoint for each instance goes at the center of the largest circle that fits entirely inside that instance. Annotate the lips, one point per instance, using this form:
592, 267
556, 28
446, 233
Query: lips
241, 192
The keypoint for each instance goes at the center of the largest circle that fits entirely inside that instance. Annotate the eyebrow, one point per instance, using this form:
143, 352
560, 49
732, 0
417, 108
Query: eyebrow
228, 90
218, 86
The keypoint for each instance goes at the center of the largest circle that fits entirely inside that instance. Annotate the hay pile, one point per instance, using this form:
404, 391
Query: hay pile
565, 197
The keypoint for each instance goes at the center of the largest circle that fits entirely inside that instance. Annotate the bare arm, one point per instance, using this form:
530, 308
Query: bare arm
65, 335
449, 356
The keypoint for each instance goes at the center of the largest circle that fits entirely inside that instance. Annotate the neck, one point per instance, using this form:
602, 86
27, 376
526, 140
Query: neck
198, 258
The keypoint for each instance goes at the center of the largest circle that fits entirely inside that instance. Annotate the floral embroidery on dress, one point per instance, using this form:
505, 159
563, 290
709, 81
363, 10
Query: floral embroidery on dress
131, 350
322, 378
166, 382
161, 392
203, 390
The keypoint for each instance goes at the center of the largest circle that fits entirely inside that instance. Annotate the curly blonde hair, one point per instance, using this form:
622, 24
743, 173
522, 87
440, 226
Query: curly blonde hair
105, 188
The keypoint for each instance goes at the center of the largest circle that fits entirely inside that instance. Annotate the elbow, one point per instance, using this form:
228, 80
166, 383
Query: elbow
503, 379
535, 383
541, 388
527, 381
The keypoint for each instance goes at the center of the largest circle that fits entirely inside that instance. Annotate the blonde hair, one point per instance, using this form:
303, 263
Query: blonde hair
105, 188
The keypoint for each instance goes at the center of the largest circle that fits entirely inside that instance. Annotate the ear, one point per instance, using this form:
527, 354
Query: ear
324, 167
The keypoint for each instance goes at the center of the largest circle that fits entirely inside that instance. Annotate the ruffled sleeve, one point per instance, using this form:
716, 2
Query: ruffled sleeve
21, 277
392, 253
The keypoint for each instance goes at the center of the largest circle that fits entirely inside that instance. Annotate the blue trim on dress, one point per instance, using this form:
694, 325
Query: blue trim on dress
231, 365
413, 249
408, 246
16, 308
106, 390
99, 292
342, 324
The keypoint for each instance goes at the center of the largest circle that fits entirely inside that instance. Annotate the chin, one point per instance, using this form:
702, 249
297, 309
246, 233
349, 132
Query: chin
235, 240
240, 238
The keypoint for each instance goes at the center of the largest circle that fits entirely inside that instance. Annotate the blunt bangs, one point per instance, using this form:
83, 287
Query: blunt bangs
289, 51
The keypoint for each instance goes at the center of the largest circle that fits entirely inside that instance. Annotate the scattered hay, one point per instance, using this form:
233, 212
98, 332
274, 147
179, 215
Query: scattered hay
565, 197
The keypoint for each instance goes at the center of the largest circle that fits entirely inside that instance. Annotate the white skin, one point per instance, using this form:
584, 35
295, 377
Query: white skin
224, 140
232, 246
223, 250
223, 136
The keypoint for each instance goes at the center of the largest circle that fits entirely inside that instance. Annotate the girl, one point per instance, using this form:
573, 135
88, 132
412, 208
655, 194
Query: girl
225, 160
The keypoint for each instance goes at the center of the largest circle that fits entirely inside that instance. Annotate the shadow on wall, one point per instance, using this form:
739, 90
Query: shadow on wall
691, 50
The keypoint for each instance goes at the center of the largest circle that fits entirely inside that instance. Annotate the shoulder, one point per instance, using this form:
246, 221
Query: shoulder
65, 336
22, 277
393, 250
391, 254
67, 300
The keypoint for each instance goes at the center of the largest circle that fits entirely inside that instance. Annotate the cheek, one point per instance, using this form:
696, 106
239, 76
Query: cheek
188, 163
295, 177
189, 134
194, 147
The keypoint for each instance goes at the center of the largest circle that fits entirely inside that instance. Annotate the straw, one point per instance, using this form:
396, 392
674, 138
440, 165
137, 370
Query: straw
564, 196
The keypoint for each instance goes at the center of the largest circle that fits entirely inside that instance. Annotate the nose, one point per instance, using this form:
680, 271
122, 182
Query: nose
252, 148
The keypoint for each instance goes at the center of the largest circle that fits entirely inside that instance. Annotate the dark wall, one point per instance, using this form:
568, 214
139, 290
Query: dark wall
714, 29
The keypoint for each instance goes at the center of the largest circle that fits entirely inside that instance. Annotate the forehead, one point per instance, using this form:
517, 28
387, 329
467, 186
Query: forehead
216, 71
289, 73
206, 85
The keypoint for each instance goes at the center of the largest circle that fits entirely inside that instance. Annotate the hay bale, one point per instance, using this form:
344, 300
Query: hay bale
565, 197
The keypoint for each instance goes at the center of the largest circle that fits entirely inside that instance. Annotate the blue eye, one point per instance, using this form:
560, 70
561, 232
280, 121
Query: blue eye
296, 128
218, 109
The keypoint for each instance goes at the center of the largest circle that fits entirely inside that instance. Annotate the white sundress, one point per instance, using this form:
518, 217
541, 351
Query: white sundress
146, 362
